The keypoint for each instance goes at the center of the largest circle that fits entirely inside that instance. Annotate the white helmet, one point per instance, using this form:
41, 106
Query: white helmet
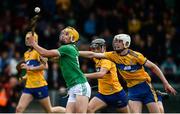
125, 38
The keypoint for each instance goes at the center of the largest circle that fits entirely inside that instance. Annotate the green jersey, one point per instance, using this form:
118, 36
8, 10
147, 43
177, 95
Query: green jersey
69, 65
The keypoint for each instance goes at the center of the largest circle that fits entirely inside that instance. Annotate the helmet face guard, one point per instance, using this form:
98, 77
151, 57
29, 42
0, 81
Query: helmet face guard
74, 35
70, 33
126, 40
29, 34
97, 44
94, 46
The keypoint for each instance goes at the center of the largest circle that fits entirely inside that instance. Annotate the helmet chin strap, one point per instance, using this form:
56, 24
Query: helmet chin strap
72, 40
120, 50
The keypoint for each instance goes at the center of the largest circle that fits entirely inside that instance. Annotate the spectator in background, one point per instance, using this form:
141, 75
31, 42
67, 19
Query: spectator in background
3, 61
134, 25
90, 25
1, 33
17, 37
12, 93
169, 67
71, 21
63, 6
8, 33
151, 48
138, 43
3, 99
149, 24
13, 62
169, 44
9, 94
55, 74
107, 36
49, 6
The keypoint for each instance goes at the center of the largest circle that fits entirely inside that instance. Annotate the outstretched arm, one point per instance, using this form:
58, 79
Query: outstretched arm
95, 75
90, 54
43, 65
158, 72
42, 51
34, 68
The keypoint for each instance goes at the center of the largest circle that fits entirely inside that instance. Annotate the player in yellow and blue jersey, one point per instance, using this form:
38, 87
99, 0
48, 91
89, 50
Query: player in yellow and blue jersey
36, 85
131, 65
110, 91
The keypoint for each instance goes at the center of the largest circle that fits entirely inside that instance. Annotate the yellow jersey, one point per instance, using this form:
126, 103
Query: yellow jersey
35, 79
109, 84
130, 66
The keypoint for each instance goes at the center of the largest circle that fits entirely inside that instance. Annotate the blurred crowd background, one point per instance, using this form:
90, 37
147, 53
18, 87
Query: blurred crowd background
154, 27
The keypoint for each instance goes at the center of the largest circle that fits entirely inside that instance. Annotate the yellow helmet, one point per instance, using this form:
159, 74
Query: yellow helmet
35, 36
73, 32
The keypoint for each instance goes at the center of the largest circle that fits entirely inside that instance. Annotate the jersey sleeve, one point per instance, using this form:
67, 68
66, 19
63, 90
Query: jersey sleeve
108, 55
141, 59
106, 64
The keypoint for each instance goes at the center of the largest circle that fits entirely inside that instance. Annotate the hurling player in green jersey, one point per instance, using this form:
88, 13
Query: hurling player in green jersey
79, 89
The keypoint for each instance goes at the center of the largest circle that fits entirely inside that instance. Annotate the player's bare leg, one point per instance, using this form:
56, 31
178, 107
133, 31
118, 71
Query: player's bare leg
48, 107
153, 107
124, 109
23, 102
135, 106
70, 107
163, 96
161, 108
95, 104
81, 104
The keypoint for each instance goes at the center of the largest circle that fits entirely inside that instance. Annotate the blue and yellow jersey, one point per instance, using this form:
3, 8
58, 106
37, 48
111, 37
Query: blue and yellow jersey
35, 79
130, 66
109, 84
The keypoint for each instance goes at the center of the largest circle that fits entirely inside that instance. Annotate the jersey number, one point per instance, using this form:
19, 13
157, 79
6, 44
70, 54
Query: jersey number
77, 61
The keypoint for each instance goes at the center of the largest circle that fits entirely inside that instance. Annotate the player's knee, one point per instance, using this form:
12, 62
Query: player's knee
161, 109
124, 109
19, 109
90, 109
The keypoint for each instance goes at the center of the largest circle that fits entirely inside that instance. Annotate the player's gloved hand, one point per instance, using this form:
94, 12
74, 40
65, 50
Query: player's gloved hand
21, 72
22, 79
24, 66
43, 59
164, 95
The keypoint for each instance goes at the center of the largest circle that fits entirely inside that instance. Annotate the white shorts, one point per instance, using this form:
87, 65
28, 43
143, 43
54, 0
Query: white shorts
83, 89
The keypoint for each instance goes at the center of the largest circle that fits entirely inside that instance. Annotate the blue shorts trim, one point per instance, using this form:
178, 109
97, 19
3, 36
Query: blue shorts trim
142, 92
37, 93
117, 100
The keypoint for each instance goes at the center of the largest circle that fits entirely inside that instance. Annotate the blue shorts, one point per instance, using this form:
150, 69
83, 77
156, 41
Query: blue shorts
142, 92
37, 93
159, 98
117, 100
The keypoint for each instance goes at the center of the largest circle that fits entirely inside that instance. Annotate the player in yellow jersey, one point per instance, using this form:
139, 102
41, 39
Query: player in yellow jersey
110, 91
36, 85
130, 65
